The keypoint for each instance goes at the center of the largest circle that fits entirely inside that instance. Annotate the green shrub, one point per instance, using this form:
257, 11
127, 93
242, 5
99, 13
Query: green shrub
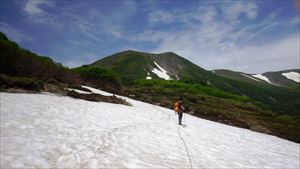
16, 61
96, 73
181, 87
20, 82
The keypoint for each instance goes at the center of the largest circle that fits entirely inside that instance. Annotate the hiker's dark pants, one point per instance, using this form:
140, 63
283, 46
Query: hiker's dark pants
179, 117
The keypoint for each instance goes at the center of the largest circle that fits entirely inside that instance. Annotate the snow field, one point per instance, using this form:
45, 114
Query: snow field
161, 72
148, 76
45, 130
264, 78
250, 77
293, 76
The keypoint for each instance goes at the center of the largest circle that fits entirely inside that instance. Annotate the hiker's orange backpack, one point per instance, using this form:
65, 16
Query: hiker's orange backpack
177, 107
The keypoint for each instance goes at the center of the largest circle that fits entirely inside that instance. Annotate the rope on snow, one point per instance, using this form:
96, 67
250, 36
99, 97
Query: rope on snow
186, 149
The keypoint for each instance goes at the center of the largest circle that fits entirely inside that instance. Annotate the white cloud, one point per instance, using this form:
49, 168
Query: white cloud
161, 16
150, 36
233, 11
212, 52
222, 38
202, 13
92, 25
47, 19
214, 44
36, 14
33, 7
206, 13
130, 6
295, 21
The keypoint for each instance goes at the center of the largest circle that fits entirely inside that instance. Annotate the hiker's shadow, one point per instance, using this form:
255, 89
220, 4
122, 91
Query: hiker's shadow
184, 125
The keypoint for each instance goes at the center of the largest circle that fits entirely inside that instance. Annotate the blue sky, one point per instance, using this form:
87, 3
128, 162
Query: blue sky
250, 36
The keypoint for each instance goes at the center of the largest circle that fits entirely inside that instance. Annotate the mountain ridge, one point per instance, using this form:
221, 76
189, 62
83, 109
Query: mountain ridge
170, 62
134, 66
271, 77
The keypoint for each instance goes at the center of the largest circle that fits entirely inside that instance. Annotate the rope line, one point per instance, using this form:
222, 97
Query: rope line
186, 149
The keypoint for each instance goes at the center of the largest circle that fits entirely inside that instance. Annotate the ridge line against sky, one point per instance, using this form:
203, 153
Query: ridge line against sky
248, 36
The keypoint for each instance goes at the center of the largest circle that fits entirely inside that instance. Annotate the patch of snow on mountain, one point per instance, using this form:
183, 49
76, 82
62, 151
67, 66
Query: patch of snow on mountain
250, 77
148, 77
98, 91
293, 76
162, 73
78, 91
49, 131
259, 76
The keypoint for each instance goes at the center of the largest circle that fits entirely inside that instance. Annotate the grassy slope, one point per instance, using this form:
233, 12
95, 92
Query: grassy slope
278, 78
130, 65
280, 99
237, 76
275, 77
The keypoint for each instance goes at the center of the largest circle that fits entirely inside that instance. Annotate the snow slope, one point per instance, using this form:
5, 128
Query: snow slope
148, 77
293, 76
250, 77
262, 77
161, 72
46, 130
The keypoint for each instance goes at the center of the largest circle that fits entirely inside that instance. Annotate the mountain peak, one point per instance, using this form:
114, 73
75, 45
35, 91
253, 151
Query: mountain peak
168, 53
132, 65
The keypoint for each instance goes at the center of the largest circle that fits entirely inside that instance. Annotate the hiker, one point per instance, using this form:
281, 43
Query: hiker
179, 109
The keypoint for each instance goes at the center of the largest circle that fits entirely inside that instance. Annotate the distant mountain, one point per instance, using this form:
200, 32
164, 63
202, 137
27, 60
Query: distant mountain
133, 66
285, 78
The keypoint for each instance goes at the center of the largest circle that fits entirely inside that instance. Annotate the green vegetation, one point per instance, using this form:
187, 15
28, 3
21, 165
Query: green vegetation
129, 67
16, 61
22, 66
279, 99
195, 88
20, 83
97, 74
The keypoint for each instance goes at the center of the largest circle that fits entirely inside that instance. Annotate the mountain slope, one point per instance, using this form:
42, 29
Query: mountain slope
49, 131
135, 66
239, 76
132, 65
285, 78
